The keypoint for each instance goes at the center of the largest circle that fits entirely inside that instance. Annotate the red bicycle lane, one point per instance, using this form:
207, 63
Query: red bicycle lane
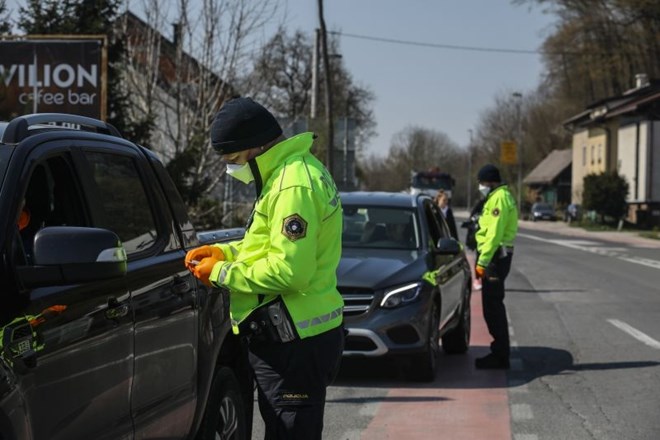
462, 404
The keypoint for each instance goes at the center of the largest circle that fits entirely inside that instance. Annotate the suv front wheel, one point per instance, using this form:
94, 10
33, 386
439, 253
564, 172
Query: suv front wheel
457, 340
425, 364
225, 417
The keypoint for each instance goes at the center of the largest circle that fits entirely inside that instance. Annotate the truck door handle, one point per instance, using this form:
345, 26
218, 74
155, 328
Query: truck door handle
116, 309
181, 286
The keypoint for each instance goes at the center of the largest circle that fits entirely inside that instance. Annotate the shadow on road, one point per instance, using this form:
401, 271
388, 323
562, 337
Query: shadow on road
458, 372
537, 362
546, 291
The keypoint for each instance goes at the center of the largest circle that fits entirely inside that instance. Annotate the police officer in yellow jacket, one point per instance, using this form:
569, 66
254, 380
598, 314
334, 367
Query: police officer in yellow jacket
498, 225
281, 275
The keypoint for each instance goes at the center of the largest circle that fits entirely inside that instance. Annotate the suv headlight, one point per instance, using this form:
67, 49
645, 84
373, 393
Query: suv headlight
401, 295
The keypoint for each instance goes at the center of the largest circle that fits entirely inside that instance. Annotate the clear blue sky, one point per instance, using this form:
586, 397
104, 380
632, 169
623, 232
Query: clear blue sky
440, 89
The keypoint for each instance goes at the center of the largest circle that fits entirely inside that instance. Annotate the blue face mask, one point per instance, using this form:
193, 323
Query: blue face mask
240, 172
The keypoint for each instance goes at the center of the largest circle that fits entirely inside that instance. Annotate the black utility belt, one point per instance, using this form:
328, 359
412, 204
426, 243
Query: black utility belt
503, 251
269, 322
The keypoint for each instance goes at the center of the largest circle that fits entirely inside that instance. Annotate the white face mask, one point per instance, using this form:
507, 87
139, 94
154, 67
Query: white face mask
240, 172
483, 189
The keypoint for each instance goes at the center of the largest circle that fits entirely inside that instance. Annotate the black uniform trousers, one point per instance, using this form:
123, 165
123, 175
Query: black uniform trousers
292, 378
493, 304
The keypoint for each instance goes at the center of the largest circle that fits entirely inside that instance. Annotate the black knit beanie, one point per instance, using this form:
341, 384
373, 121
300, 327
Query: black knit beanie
489, 173
241, 124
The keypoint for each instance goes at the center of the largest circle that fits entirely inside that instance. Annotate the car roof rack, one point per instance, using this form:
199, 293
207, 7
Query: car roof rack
18, 128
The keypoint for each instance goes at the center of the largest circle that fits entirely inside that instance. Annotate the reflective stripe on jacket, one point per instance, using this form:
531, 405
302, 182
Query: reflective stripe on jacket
293, 245
498, 224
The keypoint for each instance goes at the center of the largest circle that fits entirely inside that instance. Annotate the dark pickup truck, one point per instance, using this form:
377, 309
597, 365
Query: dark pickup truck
103, 333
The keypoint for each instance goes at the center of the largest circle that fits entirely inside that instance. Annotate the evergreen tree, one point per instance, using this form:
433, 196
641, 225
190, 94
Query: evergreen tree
89, 17
606, 194
5, 26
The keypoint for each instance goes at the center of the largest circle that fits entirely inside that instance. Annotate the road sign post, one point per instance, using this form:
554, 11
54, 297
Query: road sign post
508, 153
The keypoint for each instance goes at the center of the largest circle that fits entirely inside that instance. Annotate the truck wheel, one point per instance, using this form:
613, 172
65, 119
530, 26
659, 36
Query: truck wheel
457, 340
425, 365
224, 418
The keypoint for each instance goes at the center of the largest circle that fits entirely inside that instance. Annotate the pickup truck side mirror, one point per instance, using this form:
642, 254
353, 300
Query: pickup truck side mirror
70, 254
448, 246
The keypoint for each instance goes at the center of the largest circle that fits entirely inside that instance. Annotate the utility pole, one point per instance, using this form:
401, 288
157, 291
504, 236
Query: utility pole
469, 173
315, 76
518, 97
346, 140
328, 92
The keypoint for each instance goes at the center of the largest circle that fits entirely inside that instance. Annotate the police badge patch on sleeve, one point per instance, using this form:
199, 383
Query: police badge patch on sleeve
496, 212
294, 227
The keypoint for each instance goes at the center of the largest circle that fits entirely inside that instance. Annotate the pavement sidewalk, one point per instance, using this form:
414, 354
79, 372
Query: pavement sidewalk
562, 228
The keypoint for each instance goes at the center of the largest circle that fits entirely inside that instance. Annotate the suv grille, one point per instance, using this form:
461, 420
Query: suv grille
356, 300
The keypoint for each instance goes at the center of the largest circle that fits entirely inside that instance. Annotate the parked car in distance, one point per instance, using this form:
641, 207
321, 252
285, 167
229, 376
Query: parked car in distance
543, 211
103, 332
406, 283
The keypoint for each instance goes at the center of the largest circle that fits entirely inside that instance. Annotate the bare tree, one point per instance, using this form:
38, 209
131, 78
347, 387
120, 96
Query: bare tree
413, 149
597, 46
181, 82
5, 25
282, 80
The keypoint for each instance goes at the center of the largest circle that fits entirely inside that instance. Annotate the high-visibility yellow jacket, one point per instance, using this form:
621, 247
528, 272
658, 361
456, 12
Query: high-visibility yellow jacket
293, 244
498, 224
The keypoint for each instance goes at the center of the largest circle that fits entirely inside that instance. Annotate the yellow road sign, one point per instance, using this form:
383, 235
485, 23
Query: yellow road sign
508, 153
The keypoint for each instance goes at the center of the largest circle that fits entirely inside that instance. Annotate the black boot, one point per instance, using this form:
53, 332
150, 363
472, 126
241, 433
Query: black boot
492, 362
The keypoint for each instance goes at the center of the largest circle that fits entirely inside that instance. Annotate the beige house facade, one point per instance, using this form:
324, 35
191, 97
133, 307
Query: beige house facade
622, 134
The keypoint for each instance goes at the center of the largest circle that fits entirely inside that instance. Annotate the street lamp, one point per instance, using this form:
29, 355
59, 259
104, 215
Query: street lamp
518, 98
469, 174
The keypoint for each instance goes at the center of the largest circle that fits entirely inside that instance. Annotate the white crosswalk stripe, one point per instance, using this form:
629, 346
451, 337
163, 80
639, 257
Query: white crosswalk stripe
597, 248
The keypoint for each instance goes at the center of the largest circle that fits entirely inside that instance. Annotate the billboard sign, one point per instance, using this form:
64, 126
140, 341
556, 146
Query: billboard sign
58, 75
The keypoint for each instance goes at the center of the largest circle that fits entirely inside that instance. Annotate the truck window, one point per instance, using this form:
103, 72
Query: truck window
124, 200
52, 198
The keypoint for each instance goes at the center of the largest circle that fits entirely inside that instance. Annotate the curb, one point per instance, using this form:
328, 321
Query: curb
561, 228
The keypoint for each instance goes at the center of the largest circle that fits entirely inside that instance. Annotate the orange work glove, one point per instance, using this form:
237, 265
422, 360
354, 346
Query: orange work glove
480, 271
202, 271
195, 256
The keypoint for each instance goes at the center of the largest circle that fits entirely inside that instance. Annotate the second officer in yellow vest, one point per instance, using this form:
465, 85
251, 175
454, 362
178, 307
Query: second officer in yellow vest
498, 225
281, 276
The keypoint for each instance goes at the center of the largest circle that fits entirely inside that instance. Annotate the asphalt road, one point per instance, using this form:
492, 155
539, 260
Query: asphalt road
583, 315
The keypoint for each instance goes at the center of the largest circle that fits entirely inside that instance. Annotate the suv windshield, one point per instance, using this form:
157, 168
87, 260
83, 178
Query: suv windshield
378, 227
542, 207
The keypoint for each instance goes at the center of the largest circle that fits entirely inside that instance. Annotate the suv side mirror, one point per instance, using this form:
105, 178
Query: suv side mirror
448, 246
70, 254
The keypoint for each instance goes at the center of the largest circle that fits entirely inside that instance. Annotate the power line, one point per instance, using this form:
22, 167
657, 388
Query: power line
466, 48
435, 45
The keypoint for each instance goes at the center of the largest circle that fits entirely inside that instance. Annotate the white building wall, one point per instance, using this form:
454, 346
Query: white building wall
579, 165
644, 128
654, 162
627, 157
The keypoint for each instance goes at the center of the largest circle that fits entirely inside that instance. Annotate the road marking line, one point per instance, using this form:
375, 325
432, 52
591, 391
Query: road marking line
525, 437
353, 434
643, 261
632, 331
599, 250
521, 411
369, 409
